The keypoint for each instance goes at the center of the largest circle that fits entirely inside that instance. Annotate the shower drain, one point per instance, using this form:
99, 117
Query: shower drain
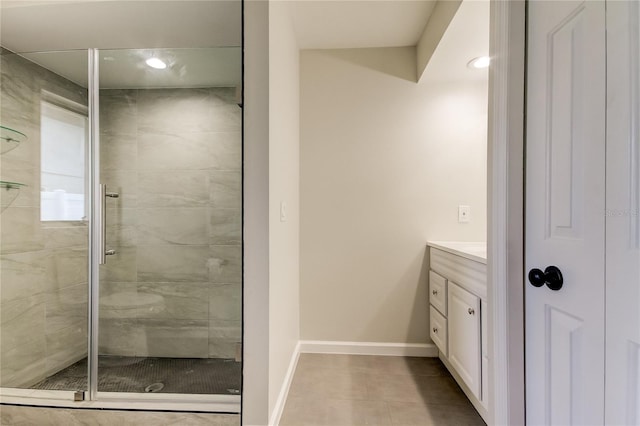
154, 387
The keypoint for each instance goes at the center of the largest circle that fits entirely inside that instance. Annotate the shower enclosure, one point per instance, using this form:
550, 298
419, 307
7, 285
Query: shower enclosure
120, 229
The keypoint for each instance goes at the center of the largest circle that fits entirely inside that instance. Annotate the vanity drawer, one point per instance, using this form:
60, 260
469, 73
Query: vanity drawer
438, 330
438, 292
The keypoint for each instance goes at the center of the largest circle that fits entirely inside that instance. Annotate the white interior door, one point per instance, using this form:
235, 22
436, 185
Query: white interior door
565, 201
622, 392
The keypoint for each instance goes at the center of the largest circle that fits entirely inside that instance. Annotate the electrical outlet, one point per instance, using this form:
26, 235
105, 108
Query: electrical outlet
464, 214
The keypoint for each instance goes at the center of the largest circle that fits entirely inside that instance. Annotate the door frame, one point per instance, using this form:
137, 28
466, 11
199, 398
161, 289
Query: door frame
505, 234
505, 227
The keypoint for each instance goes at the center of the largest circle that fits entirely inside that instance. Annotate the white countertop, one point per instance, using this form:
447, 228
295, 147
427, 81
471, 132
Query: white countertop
476, 251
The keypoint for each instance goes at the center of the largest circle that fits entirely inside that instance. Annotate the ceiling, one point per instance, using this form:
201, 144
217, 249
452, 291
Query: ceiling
32, 26
393, 23
325, 24
212, 30
126, 68
113, 24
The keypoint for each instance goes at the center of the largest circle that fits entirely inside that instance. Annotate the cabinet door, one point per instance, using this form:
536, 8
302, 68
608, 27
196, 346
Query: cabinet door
464, 335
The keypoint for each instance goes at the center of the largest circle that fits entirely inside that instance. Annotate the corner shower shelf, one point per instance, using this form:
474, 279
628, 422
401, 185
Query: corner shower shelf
10, 139
9, 191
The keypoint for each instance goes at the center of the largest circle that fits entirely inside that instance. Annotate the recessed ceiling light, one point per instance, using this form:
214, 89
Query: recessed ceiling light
156, 63
480, 62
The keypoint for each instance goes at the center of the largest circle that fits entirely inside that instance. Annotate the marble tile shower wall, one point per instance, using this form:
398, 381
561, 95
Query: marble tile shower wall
174, 287
43, 272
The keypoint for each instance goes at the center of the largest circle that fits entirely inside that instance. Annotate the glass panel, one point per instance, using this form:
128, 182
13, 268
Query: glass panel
43, 261
170, 154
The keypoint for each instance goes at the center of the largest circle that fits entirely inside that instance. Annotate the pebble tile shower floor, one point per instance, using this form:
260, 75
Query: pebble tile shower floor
134, 374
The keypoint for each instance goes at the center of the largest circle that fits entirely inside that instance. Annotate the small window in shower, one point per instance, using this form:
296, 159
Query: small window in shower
63, 134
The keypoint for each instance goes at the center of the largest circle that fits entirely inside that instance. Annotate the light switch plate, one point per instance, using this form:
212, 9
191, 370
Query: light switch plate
464, 214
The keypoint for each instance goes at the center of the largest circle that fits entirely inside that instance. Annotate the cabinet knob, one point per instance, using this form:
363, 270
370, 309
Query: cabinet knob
434, 292
471, 311
435, 330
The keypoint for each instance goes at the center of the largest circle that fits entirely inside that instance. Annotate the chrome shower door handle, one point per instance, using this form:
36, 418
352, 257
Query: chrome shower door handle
103, 224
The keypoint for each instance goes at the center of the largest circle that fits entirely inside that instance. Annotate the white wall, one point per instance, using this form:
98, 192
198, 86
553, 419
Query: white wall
284, 135
255, 392
384, 164
271, 257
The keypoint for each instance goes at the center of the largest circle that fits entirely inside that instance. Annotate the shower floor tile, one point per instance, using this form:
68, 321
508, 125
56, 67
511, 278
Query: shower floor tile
134, 374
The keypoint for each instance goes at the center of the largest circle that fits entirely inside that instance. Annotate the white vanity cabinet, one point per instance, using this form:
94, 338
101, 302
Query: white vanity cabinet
457, 311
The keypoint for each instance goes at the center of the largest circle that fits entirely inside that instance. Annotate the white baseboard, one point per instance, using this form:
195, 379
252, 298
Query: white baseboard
276, 414
369, 348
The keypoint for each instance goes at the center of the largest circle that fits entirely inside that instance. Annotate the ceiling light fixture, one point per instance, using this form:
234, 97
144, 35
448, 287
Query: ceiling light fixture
156, 63
480, 62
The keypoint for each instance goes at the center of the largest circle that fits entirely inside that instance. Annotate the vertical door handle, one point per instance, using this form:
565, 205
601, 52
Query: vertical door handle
103, 222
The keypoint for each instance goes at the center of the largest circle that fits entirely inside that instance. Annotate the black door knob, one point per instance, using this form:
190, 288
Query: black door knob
551, 276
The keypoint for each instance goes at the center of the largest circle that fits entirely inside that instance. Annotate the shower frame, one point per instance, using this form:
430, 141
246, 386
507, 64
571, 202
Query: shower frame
92, 397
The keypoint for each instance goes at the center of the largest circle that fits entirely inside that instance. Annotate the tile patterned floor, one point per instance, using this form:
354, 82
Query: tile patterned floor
349, 390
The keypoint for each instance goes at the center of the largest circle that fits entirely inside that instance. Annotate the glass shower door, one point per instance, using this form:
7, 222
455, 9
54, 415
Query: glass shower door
44, 221
170, 164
